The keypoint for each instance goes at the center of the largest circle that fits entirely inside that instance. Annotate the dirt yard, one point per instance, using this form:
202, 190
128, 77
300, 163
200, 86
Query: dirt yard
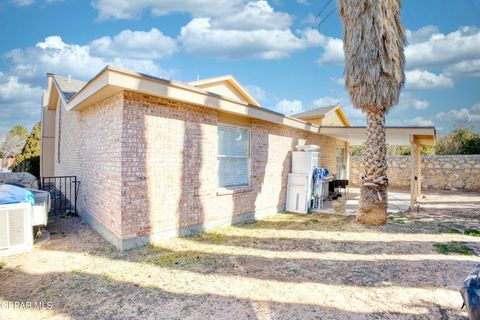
286, 267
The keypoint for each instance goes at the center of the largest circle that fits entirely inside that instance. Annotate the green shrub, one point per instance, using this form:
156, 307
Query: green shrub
454, 247
472, 232
29, 159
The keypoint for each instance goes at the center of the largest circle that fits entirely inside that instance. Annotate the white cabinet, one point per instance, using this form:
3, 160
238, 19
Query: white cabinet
304, 162
299, 188
297, 191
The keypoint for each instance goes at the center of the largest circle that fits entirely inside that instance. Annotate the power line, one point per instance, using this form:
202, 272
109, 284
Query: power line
321, 11
317, 22
326, 17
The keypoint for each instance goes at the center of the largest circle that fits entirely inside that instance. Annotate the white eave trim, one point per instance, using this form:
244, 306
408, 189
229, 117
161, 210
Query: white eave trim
137, 82
401, 135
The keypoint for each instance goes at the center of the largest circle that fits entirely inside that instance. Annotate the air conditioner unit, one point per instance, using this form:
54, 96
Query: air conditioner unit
16, 234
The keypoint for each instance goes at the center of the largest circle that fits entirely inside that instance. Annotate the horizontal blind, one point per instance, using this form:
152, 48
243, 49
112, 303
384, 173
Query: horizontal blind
233, 156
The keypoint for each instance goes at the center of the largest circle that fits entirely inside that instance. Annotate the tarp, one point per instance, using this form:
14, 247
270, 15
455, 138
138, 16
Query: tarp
13, 194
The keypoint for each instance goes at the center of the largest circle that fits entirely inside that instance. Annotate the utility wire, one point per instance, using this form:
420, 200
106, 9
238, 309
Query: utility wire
321, 11
318, 19
326, 17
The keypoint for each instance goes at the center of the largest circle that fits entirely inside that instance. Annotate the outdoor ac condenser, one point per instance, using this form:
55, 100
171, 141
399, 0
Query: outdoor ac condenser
16, 234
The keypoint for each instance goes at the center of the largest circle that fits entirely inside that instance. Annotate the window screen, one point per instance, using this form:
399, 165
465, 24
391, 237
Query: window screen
233, 156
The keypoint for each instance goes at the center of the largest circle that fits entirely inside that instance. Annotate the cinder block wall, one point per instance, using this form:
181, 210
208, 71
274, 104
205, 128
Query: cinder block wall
439, 172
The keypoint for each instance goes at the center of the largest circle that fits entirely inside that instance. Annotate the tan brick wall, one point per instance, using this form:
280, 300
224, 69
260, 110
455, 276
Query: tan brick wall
170, 167
90, 148
148, 166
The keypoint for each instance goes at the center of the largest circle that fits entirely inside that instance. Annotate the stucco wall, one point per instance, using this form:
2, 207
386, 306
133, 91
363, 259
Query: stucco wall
451, 172
170, 168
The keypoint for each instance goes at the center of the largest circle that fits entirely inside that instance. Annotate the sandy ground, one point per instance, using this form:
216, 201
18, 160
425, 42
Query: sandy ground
286, 267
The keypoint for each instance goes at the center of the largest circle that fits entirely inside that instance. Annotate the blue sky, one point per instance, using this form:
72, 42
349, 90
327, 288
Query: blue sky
269, 46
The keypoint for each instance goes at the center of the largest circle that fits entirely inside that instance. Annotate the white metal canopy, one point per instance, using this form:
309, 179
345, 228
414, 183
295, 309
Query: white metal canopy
398, 136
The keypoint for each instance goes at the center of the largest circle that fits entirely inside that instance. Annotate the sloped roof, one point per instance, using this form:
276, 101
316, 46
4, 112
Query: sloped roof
314, 113
234, 86
69, 86
111, 80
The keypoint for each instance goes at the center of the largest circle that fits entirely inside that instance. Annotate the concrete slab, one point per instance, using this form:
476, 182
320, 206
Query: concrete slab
398, 201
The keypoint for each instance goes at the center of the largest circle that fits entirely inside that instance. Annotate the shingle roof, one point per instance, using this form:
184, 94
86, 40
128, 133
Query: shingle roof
69, 86
318, 112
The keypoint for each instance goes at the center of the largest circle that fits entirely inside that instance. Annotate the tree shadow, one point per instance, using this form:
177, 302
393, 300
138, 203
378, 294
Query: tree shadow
325, 270
337, 263
81, 295
191, 214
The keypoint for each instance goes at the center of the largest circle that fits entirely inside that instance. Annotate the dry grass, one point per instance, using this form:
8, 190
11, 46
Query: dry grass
286, 267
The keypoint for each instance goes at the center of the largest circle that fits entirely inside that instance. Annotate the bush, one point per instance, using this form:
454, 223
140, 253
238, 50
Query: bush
29, 159
462, 140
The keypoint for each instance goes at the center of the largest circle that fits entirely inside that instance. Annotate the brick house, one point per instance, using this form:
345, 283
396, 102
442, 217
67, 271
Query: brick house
158, 159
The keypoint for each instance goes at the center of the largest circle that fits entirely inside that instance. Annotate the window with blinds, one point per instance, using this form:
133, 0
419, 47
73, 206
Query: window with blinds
233, 156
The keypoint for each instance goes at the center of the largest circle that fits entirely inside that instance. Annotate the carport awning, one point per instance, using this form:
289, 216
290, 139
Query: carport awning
397, 136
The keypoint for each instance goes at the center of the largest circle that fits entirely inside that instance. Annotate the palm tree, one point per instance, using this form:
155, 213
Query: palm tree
373, 41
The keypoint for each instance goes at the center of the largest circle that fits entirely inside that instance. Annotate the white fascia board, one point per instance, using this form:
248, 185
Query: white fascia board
182, 92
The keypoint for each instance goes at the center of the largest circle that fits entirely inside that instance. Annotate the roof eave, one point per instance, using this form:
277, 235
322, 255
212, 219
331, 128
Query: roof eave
112, 80
232, 81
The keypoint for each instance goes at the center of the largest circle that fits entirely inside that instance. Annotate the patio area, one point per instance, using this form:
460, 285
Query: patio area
318, 266
398, 201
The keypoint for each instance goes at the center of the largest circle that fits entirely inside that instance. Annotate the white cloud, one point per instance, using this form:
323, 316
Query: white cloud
325, 102
420, 122
468, 68
422, 79
289, 107
114, 9
450, 118
408, 101
228, 30
80, 61
265, 98
420, 104
26, 3
456, 53
151, 44
19, 102
476, 107
303, 2
355, 116
254, 16
14, 91
333, 52
444, 49
421, 35
309, 19
201, 38
462, 114
338, 80
22, 3
258, 93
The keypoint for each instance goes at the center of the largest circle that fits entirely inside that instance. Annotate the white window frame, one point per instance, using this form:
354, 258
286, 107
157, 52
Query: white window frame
249, 129
344, 162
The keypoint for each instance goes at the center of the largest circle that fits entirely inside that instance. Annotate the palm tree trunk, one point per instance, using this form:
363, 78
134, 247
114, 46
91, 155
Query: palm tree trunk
372, 209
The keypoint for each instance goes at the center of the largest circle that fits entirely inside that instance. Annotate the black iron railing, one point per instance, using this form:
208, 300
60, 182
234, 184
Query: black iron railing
63, 193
